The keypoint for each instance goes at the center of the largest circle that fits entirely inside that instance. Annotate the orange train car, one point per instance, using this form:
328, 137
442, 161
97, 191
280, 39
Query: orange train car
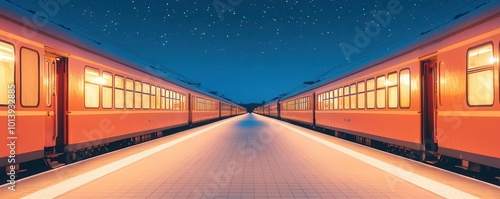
72, 94
436, 97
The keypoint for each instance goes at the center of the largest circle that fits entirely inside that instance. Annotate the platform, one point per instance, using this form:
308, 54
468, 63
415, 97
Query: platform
249, 156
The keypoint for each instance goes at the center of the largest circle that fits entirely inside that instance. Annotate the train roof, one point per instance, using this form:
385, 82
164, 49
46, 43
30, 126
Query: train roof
102, 48
462, 18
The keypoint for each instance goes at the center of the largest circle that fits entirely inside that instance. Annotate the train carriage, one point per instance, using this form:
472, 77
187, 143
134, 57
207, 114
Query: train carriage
75, 94
298, 108
436, 97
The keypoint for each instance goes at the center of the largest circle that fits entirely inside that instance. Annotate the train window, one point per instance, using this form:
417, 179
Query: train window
168, 104
392, 90
327, 101
336, 99
107, 90
346, 97
153, 97
138, 95
480, 80
354, 95
129, 93
404, 88
198, 104
92, 81
178, 102
381, 84
163, 99
6, 71
370, 93
323, 101
319, 102
341, 98
158, 98
331, 100
49, 81
146, 90
173, 101
183, 102
30, 77
361, 95
119, 92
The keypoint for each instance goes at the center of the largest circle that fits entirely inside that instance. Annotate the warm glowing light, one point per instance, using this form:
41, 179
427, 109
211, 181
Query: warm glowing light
9, 50
405, 79
390, 82
493, 60
486, 49
6, 57
99, 80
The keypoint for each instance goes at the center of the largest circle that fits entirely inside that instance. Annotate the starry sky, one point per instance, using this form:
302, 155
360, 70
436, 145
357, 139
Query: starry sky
248, 50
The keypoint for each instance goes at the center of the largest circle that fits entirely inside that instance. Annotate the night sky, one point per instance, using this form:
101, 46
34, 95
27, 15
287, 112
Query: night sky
255, 50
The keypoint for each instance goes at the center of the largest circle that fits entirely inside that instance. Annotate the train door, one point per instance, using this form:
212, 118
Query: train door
55, 82
429, 107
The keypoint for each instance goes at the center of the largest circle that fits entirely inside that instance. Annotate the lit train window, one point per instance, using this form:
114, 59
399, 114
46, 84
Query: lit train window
346, 97
138, 95
361, 95
336, 99
307, 103
119, 92
177, 101
30, 77
6, 71
392, 89
183, 102
173, 101
92, 81
327, 101
107, 90
341, 98
146, 90
198, 104
49, 81
158, 98
153, 97
480, 80
319, 102
163, 99
129, 93
404, 88
381, 84
354, 95
370, 93
331, 100
168, 104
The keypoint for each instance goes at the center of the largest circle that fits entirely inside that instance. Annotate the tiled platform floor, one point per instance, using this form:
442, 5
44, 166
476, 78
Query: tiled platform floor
249, 157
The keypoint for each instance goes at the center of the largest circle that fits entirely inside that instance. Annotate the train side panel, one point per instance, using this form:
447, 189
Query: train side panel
467, 127
373, 117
